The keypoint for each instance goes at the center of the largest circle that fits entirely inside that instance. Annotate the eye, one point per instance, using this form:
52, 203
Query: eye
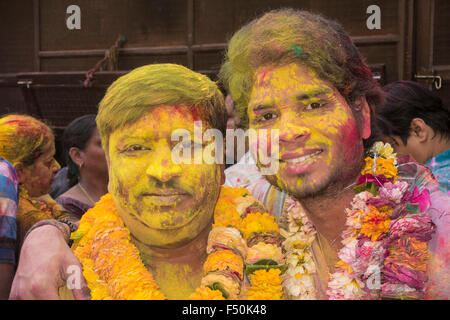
314, 105
134, 148
394, 144
267, 117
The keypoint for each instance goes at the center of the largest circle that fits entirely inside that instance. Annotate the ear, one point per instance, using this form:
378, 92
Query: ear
419, 129
363, 107
22, 172
76, 155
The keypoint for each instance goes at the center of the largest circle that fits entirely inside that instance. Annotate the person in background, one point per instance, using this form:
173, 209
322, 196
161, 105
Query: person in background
61, 183
415, 121
29, 145
9, 198
87, 170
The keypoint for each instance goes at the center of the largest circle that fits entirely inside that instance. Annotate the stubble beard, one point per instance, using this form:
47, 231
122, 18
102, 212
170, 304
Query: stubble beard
331, 186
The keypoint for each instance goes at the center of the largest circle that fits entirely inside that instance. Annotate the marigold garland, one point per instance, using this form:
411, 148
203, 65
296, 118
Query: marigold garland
113, 268
383, 240
379, 240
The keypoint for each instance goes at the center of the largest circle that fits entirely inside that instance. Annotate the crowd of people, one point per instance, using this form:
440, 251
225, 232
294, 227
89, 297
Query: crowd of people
141, 226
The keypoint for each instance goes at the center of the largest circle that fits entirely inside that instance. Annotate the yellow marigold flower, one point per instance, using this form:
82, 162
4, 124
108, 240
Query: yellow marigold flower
231, 193
257, 222
226, 215
224, 260
99, 292
383, 149
376, 222
383, 167
205, 293
344, 266
266, 285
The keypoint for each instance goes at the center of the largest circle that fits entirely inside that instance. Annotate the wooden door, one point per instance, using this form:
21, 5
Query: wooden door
432, 46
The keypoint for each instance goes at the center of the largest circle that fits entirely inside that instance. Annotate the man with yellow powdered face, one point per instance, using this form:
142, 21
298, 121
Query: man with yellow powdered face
360, 223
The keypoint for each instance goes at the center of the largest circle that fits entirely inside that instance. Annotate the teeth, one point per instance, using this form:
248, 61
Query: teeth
301, 159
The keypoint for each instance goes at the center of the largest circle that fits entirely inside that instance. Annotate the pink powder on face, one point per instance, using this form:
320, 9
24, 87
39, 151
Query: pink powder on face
351, 139
263, 73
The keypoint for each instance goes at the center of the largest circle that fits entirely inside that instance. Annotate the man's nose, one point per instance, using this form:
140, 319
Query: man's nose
293, 130
162, 168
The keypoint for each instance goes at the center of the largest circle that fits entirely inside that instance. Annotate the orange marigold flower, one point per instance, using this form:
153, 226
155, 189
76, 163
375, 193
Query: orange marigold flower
231, 193
376, 222
257, 222
410, 253
383, 167
226, 215
224, 260
344, 266
266, 285
205, 293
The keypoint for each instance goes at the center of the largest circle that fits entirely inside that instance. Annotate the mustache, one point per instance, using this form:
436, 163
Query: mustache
167, 189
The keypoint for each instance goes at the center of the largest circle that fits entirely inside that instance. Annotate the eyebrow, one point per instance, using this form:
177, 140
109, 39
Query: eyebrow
312, 93
264, 105
300, 96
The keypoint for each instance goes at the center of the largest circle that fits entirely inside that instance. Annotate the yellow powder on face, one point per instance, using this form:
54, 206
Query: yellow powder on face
309, 114
141, 164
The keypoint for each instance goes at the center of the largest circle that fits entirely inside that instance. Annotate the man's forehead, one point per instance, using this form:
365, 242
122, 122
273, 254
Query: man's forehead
292, 81
290, 77
165, 118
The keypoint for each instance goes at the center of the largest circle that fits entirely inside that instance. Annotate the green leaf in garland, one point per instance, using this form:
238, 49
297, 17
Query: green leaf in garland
367, 186
76, 236
360, 188
413, 207
266, 262
250, 268
373, 188
218, 286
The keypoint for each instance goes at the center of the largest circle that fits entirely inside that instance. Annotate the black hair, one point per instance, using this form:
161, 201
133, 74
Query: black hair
406, 100
77, 134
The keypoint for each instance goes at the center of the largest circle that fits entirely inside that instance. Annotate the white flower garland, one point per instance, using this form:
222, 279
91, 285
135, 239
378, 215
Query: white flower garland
298, 280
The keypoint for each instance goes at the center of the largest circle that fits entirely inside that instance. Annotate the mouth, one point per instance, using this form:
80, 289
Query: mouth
165, 197
297, 158
298, 163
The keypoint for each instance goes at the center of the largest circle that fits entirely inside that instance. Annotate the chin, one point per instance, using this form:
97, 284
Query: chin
303, 186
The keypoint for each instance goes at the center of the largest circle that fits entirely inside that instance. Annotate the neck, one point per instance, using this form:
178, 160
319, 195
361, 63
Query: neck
327, 211
177, 271
194, 250
95, 187
440, 146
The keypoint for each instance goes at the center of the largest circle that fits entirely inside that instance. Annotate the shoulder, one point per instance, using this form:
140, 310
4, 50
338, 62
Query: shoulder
73, 205
8, 181
420, 176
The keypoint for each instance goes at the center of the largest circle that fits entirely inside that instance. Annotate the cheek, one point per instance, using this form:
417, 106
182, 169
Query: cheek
122, 177
198, 179
415, 149
343, 132
350, 135
40, 179
42, 173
